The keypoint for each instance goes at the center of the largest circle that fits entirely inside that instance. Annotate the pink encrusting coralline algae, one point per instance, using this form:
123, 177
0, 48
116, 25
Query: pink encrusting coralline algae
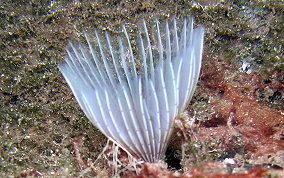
132, 93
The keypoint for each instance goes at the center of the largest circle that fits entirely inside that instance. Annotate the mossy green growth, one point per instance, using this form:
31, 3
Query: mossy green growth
39, 115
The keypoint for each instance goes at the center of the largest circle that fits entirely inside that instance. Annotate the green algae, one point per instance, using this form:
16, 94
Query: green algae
39, 115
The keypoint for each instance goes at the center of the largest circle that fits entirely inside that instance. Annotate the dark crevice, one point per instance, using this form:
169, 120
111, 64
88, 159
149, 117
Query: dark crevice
172, 159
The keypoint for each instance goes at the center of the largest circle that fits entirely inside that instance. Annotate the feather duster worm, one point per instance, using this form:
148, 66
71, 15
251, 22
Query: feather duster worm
133, 93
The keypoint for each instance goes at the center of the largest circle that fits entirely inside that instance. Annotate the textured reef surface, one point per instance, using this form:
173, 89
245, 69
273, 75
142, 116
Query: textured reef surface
234, 123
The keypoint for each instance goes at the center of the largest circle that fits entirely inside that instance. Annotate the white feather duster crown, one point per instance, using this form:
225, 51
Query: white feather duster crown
135, 105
